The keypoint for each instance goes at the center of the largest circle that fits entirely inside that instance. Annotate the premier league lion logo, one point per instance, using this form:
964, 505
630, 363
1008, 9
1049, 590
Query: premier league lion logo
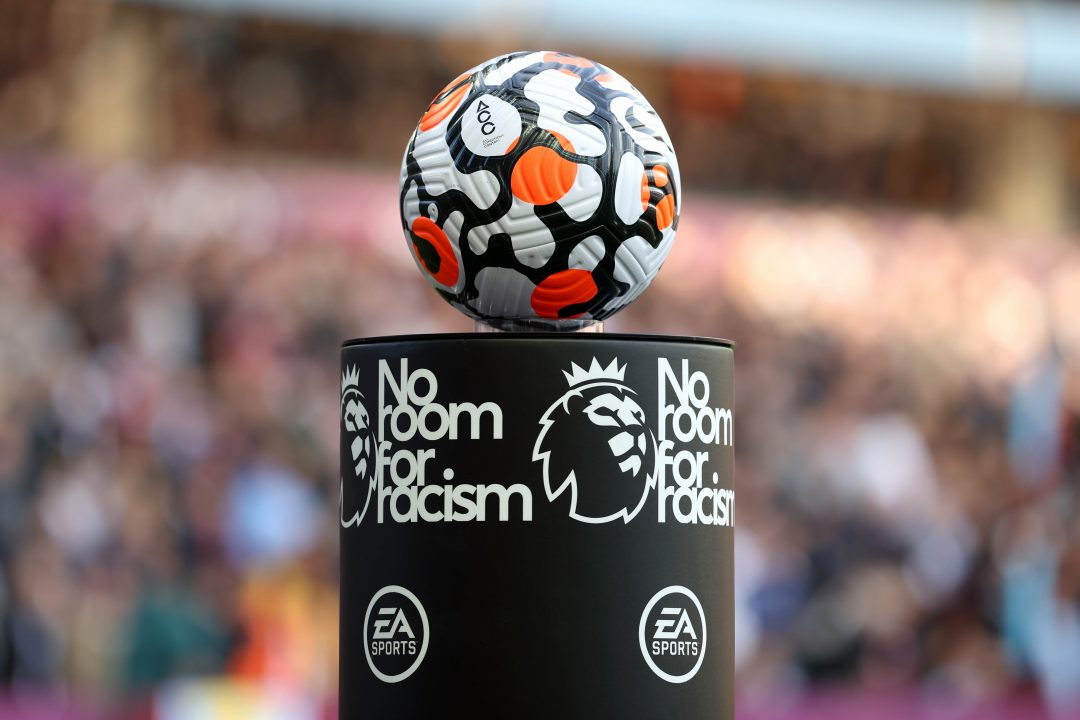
599, 410
359, 438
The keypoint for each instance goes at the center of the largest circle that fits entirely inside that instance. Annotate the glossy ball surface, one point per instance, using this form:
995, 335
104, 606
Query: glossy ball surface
540, 189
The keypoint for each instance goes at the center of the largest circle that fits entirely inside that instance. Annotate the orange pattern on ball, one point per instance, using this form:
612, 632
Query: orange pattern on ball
541, 176
426, 229
563, 289
575, 60
660, 177
665, 212
439, 110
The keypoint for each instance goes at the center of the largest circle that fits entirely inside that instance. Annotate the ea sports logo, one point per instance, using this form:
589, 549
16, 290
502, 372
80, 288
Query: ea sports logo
672, 634
599, 411
359, 437
395, 634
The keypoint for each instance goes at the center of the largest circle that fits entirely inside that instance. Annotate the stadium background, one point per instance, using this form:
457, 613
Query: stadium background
198, 202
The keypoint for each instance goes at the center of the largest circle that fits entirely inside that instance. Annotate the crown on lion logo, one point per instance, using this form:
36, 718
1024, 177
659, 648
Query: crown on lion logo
351, 377
579, 375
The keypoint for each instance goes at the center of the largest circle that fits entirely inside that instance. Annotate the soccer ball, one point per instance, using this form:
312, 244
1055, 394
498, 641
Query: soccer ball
540, 189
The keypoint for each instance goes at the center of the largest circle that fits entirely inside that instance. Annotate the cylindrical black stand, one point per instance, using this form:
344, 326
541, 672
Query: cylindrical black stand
536, 526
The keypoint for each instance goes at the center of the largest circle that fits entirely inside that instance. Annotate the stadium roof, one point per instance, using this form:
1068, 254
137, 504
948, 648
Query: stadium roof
996, 47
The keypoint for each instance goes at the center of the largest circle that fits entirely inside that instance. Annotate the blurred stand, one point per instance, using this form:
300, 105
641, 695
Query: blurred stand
196, 209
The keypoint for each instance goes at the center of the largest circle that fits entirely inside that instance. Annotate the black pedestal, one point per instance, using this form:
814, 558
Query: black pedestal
536, 526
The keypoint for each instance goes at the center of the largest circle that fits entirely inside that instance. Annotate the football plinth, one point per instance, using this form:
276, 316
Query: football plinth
536, 526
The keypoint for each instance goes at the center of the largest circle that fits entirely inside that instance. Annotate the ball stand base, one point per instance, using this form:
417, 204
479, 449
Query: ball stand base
536, 525
538, 326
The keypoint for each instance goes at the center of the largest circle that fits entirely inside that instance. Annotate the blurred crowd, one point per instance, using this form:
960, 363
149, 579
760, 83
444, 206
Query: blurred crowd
907, 464
166, 503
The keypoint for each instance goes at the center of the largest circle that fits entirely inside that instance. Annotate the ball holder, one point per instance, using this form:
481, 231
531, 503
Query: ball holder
536, 525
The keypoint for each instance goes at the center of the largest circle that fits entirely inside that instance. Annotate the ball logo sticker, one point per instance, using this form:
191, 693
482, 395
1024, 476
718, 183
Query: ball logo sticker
601, 407
490, 126
672, 634
395, 634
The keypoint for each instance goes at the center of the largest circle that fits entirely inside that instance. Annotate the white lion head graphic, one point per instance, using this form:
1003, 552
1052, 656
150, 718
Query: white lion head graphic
614, 481
357, 432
